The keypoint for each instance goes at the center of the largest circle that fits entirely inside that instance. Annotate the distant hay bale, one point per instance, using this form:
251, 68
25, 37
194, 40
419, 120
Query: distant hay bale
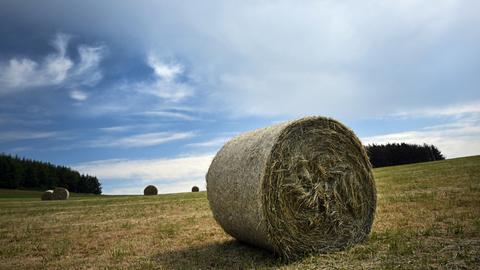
60, 193
195, 189
150, 190
47, 195
294, 188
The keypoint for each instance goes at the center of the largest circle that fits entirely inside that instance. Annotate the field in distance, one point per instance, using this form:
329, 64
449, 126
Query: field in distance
428, 217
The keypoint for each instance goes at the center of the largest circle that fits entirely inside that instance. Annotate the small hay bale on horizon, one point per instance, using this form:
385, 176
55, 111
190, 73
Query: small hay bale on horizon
60, 193
294, 188
195, 189
150, 190
47, 195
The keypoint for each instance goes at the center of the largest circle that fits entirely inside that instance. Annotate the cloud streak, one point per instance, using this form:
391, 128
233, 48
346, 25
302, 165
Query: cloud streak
141, 140
456, 110
27, 135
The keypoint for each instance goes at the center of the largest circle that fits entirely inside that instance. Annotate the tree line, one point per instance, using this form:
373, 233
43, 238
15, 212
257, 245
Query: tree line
25, 173
390, 154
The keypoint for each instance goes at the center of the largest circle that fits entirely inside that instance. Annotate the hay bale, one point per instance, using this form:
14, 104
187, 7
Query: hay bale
195, 189
150, 190
60, 193
47, 195
294, 188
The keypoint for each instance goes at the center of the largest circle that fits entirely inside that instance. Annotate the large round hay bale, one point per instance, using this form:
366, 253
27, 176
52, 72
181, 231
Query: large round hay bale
47, 195
195, 189
150, 190
60, 193
294, 188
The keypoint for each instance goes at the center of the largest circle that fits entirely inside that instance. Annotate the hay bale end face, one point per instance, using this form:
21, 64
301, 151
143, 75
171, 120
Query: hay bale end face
60, 193
195, 189
294, 188
150, 190
47, 195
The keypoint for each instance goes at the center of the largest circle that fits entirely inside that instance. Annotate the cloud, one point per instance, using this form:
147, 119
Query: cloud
455, 139
141, 140
321, 57
215, 142
169, 114
456, 110
171, 174
56, 69
78, 95
164, 71
166, 84
116, 128
27, 135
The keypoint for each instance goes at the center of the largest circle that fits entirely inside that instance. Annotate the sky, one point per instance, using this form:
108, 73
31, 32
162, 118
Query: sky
146, 92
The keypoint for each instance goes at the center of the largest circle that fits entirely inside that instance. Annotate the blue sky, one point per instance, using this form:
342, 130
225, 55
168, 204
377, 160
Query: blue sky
146, 92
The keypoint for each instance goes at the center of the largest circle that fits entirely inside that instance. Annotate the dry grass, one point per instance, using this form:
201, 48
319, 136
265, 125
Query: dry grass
428, 217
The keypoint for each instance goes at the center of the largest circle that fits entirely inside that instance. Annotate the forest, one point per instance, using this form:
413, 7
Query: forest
22, 173
390, 154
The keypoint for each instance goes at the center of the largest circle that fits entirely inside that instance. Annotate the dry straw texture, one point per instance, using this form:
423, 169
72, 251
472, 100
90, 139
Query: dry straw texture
195, 189
47, 195
150, 190
294, 188
60, 194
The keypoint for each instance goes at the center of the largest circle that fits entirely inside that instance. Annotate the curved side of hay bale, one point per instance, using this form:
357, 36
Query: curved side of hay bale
195, 189
150, 190
47, 195
60, 193
294, 188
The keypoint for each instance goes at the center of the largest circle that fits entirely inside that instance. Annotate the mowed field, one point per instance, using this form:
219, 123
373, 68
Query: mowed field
428, 217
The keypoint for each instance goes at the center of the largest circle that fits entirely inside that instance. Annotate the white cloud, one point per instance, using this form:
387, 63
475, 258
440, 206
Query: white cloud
167, 72
169, 114
456, 139
165, 84
141, 140
87, 71
116, 128
26, 135
78, 95
171, 174
456, 110
215, 142
56, 69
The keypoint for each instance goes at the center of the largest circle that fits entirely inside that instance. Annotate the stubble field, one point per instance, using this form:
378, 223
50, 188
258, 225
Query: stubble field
428, 217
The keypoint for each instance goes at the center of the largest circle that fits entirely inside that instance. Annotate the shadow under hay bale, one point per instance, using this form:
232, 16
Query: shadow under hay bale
47, 195
150, 190
195, 189
231, 254
60, 193
294, 188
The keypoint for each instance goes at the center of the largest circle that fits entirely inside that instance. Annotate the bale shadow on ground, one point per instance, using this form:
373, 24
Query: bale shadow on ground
231, 254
